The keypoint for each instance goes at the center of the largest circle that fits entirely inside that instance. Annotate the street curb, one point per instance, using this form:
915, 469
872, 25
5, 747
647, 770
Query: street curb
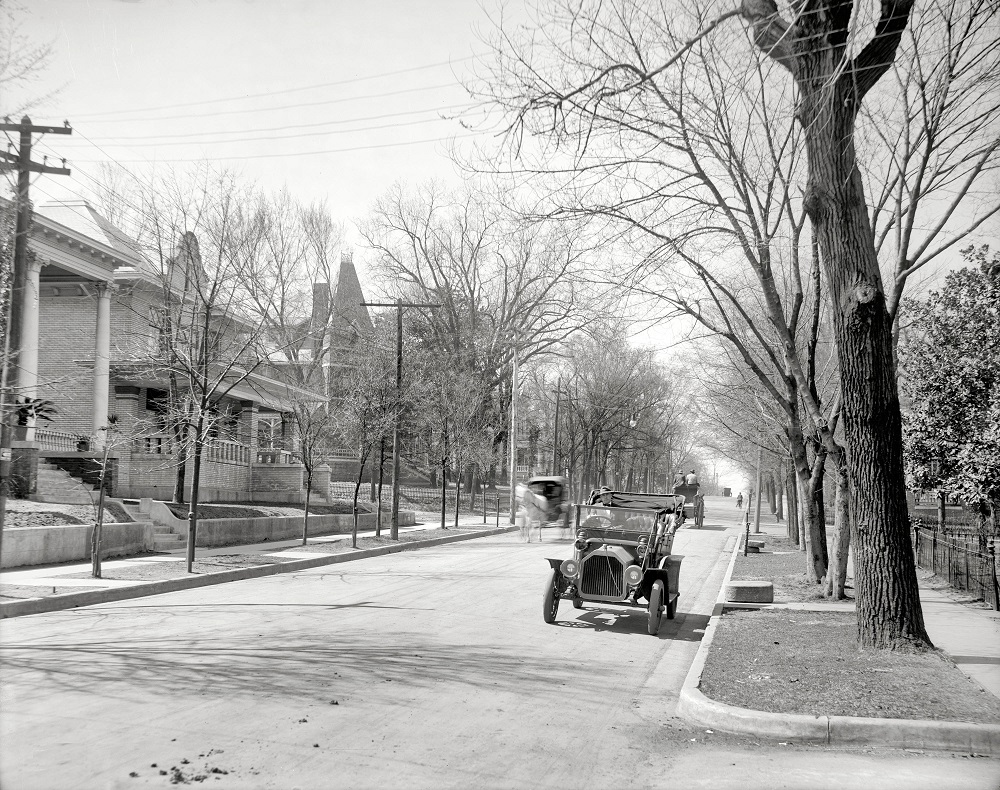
141, 590
836, 730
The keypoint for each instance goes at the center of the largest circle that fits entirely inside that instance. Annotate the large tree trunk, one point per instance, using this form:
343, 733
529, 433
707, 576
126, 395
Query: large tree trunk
888, 603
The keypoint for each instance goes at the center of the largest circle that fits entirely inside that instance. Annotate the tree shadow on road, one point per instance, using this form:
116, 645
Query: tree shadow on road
297, 663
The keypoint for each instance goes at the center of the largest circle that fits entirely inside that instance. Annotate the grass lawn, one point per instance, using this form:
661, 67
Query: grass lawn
808, 661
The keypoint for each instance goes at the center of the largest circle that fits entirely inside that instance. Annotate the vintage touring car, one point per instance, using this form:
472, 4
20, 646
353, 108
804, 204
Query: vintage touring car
621, 555
694, 504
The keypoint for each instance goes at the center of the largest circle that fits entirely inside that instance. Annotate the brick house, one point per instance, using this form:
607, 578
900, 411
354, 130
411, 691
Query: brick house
90, 344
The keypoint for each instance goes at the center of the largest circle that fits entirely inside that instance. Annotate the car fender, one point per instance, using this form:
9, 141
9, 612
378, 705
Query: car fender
668, 573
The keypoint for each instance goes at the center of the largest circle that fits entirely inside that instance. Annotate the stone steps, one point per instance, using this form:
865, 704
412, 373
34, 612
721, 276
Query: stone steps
169, 541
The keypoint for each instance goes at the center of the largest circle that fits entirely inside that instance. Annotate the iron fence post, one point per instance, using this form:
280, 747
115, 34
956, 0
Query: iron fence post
993, 575
934, 552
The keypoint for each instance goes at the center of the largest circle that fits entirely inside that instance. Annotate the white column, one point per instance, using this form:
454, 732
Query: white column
27, 359
27, 378
102, 364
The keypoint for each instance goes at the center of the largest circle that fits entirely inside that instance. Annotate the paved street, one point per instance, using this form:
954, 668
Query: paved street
430, 668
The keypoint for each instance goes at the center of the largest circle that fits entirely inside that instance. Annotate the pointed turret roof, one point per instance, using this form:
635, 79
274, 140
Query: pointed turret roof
348, 316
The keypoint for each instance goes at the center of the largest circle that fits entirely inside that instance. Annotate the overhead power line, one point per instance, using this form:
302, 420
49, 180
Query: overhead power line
324, 102
353, 80
338, 122
287, 153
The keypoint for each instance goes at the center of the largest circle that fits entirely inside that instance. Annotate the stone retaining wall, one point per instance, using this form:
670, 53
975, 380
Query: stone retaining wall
24, 546
243, 531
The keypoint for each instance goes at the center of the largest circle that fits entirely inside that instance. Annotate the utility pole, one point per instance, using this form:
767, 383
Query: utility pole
399, 304
512, 441
756, 514
19, 278
555, 431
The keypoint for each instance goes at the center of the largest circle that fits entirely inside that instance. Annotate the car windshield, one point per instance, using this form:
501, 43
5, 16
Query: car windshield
596, 516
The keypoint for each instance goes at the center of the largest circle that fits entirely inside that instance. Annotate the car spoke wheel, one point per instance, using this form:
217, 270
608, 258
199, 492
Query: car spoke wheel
550, 604
655, 604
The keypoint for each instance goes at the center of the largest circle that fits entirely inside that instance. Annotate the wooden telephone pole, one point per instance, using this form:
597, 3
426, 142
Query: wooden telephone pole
21, 160
398, 305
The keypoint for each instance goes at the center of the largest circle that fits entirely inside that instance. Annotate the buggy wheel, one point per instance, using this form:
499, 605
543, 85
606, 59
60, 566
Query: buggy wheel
655, 604
578, 603
550, 603
672, 609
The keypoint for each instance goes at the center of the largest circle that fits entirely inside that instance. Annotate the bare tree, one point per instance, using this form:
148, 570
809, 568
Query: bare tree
287, 286
496, 279
601, 108
367, 410
195, 232
22, 61
930, 139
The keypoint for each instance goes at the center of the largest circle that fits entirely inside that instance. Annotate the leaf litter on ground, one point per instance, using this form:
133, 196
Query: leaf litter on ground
808, 661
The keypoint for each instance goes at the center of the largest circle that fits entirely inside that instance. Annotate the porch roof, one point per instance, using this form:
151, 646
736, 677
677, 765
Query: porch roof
236, 383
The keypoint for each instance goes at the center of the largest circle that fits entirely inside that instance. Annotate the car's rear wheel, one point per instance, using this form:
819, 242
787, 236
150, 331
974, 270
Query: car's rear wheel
655, 604
672, 609
550, 603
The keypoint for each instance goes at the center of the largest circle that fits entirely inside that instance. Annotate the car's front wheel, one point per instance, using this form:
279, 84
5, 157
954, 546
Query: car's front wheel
550, 603
655, 604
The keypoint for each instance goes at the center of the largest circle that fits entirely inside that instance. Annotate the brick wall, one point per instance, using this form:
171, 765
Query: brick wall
154, 475
67, 334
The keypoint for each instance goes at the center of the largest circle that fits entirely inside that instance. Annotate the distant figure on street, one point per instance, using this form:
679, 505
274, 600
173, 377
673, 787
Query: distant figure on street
739, 500
678, 478
691, 479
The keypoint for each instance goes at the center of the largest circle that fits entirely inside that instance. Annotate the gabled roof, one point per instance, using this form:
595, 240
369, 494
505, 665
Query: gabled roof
80, 216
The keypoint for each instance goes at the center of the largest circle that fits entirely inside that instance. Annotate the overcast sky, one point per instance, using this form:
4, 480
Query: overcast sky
334, 99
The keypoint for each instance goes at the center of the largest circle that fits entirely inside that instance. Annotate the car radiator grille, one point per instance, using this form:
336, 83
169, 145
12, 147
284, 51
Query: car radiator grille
603, 576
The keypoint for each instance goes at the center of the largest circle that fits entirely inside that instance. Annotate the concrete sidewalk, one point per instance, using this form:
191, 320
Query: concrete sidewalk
89, 590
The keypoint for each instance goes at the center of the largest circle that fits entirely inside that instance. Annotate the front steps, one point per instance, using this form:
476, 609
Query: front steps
165, 539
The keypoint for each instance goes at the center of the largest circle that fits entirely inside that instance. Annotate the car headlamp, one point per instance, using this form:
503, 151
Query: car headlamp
569, 568
580, 545
633, 575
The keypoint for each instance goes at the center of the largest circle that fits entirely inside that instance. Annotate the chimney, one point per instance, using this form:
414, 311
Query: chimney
320, 305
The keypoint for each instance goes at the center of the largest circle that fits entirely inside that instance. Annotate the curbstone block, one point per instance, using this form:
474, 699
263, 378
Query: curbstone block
748, 591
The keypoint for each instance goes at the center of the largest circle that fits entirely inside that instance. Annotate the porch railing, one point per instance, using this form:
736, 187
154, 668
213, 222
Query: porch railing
227, 452
55, 440
217, 450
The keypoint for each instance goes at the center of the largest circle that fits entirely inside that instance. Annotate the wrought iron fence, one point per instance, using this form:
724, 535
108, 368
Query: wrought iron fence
965, 566
424, 497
